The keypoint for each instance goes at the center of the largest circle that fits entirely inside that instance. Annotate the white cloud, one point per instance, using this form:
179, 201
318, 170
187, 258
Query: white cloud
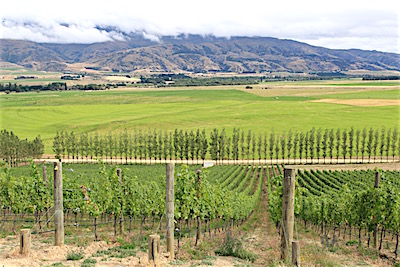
337, 24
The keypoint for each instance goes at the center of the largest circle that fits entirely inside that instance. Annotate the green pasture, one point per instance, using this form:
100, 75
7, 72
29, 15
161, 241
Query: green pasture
45, 113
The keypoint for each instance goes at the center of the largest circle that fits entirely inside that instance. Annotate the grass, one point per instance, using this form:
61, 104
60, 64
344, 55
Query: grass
57, 264
45, 113
89, 263
234, 247
117, 252
74, 256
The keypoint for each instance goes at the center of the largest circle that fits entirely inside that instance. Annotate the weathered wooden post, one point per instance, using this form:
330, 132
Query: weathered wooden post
170, 209
287, 212
296, 260
58, 204
25, 242
375, 234
44, 174
198, 235
119, 174
154, 249
44, 168
121, 219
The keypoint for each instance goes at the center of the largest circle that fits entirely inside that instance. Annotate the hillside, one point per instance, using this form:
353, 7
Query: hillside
196, 54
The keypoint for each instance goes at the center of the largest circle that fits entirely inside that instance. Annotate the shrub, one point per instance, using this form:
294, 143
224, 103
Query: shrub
74, 256
234, 247
89, 263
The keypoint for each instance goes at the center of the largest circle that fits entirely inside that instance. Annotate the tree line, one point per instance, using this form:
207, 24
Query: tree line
312, 146
14, 150
184, 80
55, 86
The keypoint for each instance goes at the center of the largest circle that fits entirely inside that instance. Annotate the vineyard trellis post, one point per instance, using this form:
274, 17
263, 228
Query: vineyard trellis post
170, 209
198, 235
287, 211
296, 259
45, 183
154, 249
45, 174
25, 242
375, 233
121, 219
58, 204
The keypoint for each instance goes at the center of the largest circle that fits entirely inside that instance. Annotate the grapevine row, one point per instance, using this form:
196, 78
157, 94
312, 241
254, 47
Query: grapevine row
331, 200
127, 197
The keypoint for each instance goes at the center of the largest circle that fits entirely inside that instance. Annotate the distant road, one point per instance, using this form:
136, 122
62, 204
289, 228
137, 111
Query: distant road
387, 164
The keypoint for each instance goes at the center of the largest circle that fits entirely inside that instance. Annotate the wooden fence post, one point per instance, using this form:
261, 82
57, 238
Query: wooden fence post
58, 204
154, 249
44, 168
198, 235
170, 209
296, 260
45, 174
287, 212
25, 242
121, 219
375, 233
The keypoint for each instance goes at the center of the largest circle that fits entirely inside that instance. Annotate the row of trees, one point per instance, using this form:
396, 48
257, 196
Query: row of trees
18, 88
138, 145
315, 145
14, 150
55, 86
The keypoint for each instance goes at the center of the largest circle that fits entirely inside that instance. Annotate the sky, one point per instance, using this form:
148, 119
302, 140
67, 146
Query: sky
342, 24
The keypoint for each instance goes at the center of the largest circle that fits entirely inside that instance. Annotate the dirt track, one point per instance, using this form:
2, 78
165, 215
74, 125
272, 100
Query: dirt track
340, 164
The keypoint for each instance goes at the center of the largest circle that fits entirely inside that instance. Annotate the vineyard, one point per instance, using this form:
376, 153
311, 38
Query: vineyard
336, 202
219, 196
103, 202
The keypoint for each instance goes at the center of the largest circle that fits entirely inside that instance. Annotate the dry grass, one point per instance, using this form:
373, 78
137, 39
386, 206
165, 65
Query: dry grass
272, 90
362, 102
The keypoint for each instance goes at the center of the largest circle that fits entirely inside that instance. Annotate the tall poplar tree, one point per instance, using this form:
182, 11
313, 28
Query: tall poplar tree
351, 142
271, 144
344, 145
337, 145
331, 143
248, 145
283, 145
376, 141
394, 141
318, 143
295, 145
312, 143
358, 135
325, 144
242, 145
370, 144
289, 144
382, 143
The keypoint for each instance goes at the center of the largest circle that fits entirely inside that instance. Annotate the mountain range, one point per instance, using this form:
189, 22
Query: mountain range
195, 53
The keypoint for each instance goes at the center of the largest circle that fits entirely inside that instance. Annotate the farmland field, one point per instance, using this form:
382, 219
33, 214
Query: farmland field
282, 106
